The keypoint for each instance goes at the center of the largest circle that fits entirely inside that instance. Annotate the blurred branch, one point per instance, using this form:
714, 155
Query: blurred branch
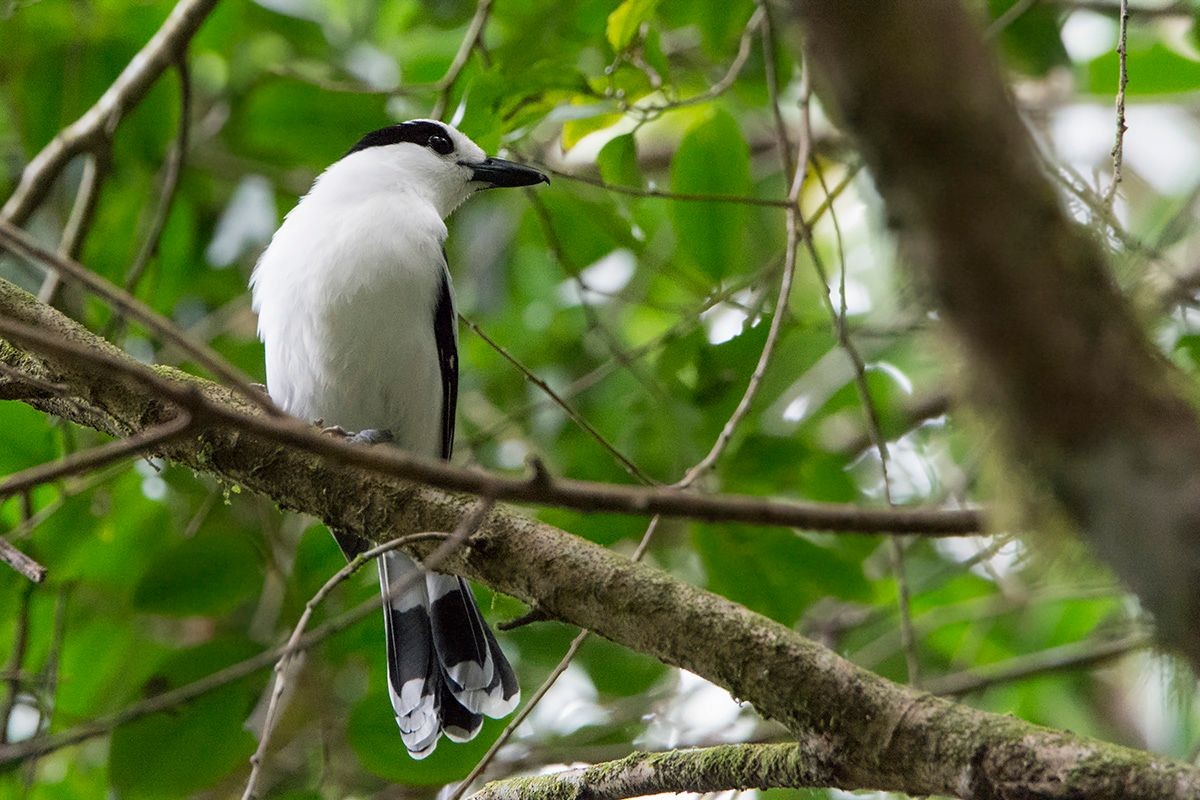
710, 769
82, 213
51, 742
16, 661
87, 460
172, 169
1088, 403
97, 124
718, 88
1011, 15
915, 411
633, 469
1076, 655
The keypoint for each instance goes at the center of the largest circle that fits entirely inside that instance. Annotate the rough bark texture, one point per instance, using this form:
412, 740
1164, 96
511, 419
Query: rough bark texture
711, 769
1091, 409
869, 732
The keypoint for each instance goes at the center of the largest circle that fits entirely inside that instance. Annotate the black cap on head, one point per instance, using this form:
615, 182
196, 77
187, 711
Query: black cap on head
419, 132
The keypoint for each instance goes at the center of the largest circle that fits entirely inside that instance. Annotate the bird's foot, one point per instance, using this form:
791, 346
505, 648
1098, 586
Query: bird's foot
372, 436
367, 436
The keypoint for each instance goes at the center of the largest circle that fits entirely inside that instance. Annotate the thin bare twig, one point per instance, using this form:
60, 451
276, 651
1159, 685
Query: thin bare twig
659, 194
1176, 9
1011, 15
547, 684
794, 234
1118, 150
521, 715
472, 39
1068, 656
42, 745
82, 213
689, 321
719, 88
172, 169
17, 241
103, 455
769, 69
633, 469
974, 609
573, 271
840, 319
469, 524
15, 661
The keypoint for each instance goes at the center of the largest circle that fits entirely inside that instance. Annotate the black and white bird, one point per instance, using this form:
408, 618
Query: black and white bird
356, 312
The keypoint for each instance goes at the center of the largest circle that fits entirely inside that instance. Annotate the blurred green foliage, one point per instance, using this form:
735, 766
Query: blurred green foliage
649, 314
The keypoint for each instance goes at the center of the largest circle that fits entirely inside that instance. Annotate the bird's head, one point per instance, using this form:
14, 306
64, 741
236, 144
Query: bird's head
436, 161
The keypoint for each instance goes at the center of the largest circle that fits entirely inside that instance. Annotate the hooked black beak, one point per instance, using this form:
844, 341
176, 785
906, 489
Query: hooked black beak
496, 172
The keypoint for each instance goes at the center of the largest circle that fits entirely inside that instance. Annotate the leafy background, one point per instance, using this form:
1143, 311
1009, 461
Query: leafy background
647, 313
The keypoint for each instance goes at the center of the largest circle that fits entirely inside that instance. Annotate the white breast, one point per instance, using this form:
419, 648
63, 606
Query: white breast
345, 295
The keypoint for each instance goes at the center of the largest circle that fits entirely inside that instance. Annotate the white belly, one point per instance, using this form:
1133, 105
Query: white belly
349, 329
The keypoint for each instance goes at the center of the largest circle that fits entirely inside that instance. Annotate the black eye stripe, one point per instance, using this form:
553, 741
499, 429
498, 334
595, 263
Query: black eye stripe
419, 132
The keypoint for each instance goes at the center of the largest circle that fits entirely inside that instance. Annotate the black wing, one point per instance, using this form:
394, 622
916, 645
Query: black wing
445, 331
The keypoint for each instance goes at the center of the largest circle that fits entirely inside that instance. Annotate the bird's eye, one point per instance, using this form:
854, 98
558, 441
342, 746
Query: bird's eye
440, 144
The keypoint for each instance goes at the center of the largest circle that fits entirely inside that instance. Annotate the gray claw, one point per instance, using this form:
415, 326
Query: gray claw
372, 436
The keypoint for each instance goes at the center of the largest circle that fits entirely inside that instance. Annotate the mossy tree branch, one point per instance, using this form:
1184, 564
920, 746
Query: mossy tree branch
872, 733
709, 769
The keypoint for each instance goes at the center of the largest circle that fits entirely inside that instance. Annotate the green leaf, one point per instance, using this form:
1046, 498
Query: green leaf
193, 746
586, 119
623, 23
1031, 41
1155, 70
618, 162
617, 671
713, 158
210, 573
777, 573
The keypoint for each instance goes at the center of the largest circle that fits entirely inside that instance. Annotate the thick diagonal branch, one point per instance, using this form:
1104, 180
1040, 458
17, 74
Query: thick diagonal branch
879, 735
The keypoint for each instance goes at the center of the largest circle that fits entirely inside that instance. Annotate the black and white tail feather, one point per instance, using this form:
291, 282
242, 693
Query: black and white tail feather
446, 671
